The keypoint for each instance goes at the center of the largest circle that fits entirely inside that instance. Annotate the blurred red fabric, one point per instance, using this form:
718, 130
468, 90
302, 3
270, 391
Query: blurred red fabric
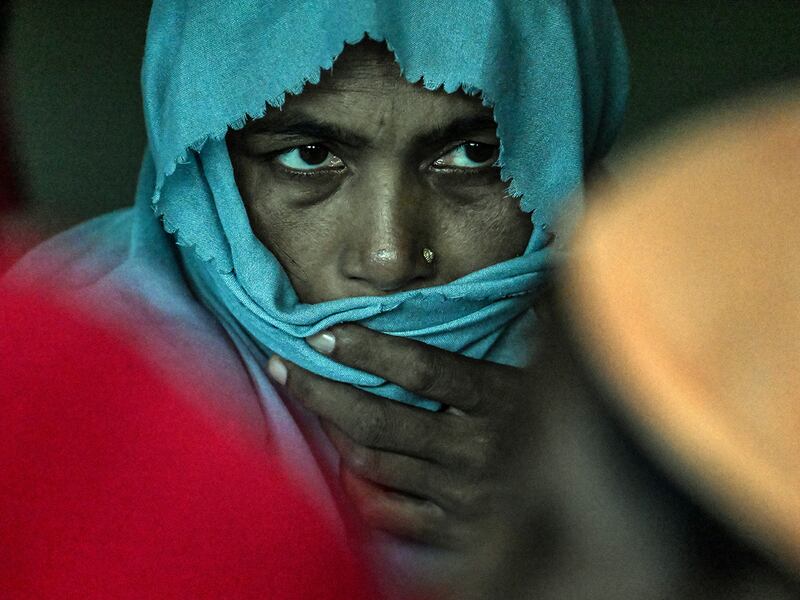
113, 485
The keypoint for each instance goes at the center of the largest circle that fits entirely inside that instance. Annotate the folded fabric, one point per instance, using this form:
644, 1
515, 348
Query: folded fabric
554, 74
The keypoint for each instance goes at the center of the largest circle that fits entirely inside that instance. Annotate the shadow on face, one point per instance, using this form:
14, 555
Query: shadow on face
350, 181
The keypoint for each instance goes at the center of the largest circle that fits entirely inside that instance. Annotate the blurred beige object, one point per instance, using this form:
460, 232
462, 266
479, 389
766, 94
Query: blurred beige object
687, 276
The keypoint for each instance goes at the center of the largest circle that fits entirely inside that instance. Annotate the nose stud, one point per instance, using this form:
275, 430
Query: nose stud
428, 255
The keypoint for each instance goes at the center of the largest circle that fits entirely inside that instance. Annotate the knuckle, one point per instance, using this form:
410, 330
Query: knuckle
354, 347
431, 523
483, 450
464, 494
449, 535
363, 461
347, 346
458, 497
425, 377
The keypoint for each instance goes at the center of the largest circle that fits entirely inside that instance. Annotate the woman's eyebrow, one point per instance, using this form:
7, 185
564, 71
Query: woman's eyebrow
456, 129
302, 124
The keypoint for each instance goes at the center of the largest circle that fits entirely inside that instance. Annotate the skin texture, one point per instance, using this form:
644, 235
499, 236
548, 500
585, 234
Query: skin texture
430, 477
388, 183
395, 177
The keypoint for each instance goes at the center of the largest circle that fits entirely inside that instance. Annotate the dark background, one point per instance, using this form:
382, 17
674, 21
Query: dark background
77, 121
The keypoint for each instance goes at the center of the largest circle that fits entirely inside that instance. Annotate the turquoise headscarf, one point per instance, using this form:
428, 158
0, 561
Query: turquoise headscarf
554, 72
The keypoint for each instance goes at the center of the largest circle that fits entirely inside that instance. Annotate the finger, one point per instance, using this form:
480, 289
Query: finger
464, 496
430, 372
398, 514
370, 420
402, 473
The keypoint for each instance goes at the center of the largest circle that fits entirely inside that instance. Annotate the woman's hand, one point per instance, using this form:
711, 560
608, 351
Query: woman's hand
427, 476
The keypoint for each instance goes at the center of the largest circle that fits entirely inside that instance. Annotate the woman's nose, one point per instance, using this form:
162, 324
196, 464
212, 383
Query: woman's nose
386, 253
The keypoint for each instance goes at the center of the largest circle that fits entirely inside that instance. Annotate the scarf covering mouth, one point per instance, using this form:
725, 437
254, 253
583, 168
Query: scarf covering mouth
554, 73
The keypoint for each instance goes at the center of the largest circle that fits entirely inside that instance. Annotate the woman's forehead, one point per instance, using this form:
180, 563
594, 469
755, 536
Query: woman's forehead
366, 87
368, 61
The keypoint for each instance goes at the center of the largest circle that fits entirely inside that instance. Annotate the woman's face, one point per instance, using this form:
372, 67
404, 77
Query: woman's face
353, 178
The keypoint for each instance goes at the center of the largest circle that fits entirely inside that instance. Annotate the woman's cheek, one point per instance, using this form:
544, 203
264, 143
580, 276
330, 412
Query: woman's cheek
486, 220
308, 247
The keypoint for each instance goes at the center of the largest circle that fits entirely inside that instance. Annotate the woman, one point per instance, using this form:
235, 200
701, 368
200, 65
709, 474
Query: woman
293, 199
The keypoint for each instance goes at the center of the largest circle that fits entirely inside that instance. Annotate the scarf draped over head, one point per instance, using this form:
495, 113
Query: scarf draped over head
553, 71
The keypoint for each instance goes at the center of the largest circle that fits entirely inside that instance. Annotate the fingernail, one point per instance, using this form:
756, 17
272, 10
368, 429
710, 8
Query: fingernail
323, 342
276, 369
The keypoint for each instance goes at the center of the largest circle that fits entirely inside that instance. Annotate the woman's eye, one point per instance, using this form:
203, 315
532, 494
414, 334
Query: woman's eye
311, 157
469, 155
